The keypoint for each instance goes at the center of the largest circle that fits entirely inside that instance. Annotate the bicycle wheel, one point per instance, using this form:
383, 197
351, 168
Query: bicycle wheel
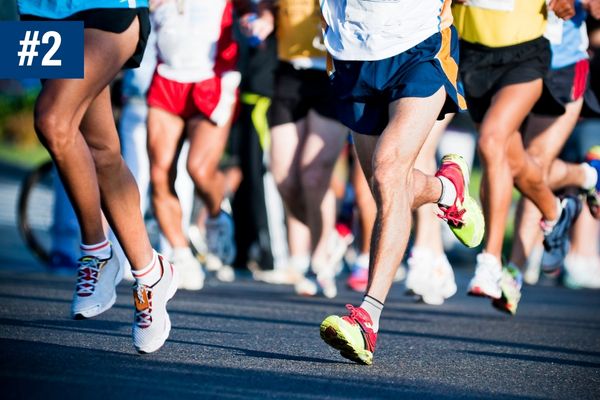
35, 210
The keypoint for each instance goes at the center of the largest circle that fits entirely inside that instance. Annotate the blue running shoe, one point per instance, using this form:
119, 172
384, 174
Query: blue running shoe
556, 241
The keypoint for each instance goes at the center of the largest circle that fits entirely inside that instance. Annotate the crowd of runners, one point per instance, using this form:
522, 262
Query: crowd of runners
274, 134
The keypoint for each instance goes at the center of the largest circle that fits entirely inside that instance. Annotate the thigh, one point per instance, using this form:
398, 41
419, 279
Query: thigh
98, 126
287, 141
325, 138
426, 159
509, 108
105, 53
545, 136
411, 121
165, 131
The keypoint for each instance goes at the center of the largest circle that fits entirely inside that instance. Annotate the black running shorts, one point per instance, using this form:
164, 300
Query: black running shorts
297, 91
114, 20
486, 70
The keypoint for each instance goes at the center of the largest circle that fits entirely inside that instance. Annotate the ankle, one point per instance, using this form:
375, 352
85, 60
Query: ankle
373, 307
102, 250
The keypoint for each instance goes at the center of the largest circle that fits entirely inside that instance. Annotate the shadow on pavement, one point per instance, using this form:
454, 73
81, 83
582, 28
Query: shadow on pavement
36, 370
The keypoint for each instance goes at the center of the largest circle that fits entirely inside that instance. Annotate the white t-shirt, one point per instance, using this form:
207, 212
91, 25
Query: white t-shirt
186, 39
369, 30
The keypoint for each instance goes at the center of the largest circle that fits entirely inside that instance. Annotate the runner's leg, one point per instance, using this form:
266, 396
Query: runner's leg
499, 147
389, 160
165, 132
287, 141
544, 139
207, 144
324, 141
59, 112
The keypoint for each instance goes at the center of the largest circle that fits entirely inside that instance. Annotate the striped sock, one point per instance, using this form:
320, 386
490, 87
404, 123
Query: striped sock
150, 274
100, 250
374, 307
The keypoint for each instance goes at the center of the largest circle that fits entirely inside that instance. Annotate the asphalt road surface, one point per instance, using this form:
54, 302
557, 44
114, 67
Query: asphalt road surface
252, 340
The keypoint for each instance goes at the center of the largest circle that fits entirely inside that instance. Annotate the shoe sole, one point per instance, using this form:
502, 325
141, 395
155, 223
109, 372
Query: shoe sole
503, 305
159, 342
478, 292
334, 337
94, 311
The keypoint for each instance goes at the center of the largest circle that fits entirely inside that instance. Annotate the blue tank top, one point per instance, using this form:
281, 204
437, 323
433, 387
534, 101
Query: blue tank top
573, 47
58, 9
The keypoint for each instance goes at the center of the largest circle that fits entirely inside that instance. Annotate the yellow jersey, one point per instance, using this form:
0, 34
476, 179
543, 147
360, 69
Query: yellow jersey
500, 23
299, 31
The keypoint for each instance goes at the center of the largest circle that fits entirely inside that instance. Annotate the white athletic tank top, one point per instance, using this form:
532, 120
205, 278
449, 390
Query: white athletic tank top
376, 29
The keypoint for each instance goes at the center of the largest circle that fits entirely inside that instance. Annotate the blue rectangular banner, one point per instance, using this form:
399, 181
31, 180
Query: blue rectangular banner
41, 49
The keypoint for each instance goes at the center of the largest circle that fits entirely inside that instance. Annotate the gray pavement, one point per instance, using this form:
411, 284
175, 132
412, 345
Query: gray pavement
252, 340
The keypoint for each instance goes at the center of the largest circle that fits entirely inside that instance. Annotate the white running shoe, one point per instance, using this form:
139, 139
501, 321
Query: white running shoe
531, 276
226, 274
306, 287
191, 275
486, 281
582, 272
324, 285
327, 285
339, 241
420, 263
151, 323
95, 289
198, 241
440, 284
220, 238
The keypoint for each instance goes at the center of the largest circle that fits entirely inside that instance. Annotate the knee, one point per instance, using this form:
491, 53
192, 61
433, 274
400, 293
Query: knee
54, 132
540, 158
201, 173
390, 180
289, 188
107, 158
490, 145
315, 179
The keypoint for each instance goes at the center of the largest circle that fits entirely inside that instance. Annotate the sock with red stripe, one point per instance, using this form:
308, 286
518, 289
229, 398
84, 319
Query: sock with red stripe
150, 274
100, 250
373, 307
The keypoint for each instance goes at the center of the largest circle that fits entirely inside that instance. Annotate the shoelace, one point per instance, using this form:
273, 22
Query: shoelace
143, 296
368, 336
354, 313
87, 275
452, 215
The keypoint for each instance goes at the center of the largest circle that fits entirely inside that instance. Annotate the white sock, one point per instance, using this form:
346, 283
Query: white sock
548, 225
448, 196
362, 261
373, 307
150, 274
591, 176
100, 250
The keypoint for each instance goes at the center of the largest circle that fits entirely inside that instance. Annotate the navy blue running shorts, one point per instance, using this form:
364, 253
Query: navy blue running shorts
364, 89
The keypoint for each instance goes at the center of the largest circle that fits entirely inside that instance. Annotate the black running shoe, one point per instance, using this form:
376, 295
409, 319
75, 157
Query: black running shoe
556, 241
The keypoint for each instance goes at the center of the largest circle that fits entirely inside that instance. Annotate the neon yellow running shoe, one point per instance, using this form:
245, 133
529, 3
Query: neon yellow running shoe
464, 216
510, 284
352, 335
